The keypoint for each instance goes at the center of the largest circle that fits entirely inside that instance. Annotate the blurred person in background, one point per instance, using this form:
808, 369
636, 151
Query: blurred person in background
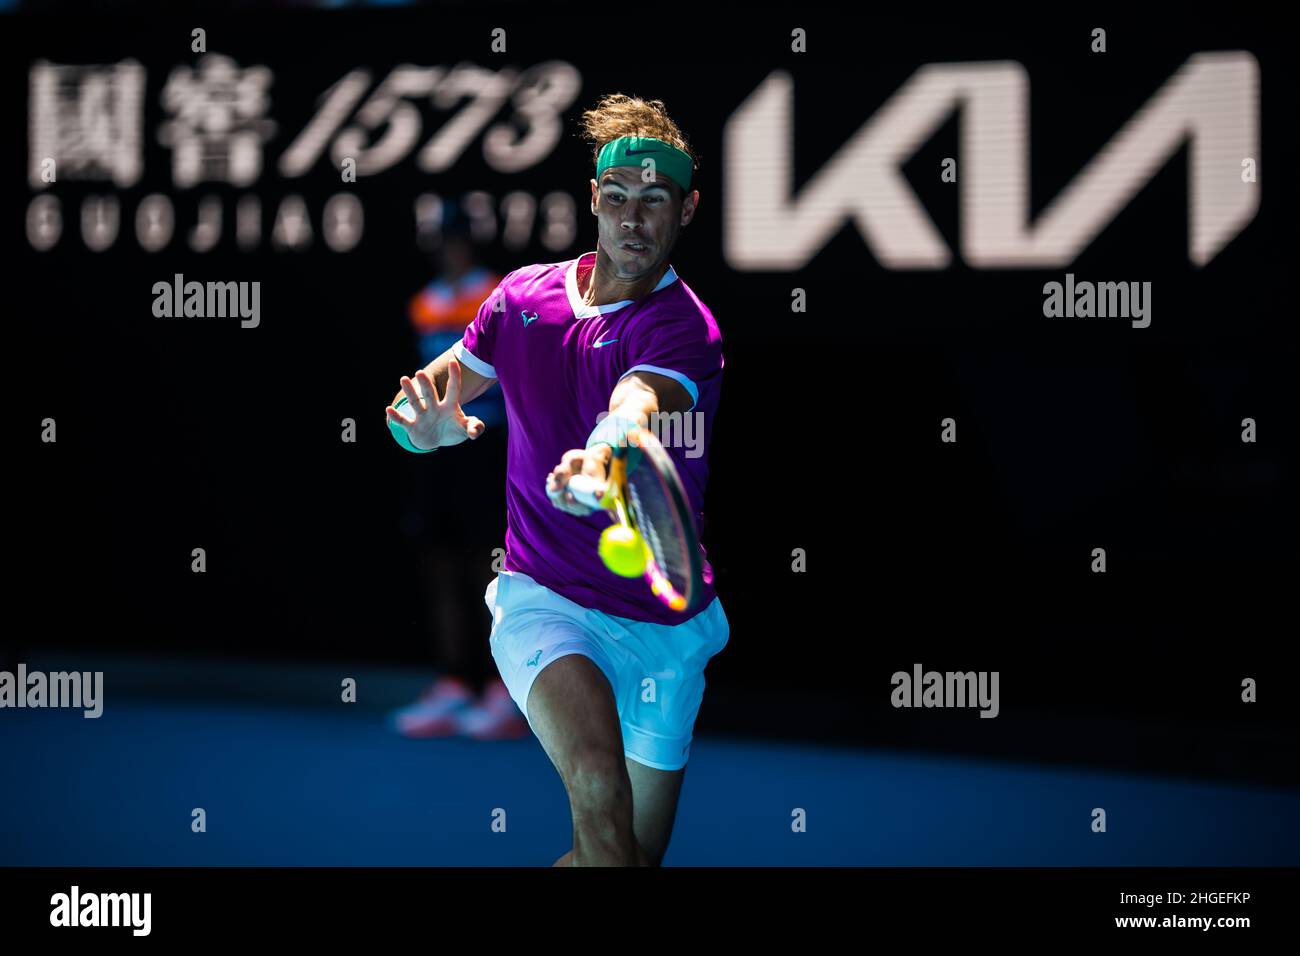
449, 519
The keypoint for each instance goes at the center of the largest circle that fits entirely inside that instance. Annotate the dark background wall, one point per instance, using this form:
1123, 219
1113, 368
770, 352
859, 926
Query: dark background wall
175, 434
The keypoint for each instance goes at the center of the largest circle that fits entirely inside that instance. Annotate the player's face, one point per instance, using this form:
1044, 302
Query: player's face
638, 222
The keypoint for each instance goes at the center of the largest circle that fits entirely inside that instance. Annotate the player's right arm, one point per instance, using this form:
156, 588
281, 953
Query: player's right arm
432, 416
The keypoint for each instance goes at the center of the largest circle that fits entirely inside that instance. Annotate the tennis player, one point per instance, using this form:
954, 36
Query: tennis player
609, 678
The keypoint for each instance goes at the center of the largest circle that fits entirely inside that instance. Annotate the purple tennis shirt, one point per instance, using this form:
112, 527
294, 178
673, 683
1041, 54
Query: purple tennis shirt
557, 361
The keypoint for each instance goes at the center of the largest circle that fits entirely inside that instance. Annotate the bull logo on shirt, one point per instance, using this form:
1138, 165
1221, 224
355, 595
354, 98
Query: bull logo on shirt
528, 318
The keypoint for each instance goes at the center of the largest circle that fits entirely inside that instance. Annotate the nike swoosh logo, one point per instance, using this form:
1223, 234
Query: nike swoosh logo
598, 343
526, 318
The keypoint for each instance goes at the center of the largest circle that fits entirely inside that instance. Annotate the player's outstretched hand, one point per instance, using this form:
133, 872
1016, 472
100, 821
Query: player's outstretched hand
593, 462
437, 422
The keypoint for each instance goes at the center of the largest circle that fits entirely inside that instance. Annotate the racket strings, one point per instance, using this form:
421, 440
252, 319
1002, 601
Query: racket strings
655, 515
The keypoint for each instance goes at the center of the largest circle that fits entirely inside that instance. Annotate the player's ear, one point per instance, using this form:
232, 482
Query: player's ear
688, 206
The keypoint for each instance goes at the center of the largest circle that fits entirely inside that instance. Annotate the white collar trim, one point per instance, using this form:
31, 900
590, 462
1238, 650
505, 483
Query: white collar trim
583, 311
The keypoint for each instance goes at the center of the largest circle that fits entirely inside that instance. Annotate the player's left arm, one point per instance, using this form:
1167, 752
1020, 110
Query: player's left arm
636, 397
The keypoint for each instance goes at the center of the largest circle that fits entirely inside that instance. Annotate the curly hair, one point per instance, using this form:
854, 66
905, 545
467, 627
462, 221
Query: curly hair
618, 114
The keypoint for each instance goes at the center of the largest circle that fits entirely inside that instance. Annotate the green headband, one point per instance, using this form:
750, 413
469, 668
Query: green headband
634, 150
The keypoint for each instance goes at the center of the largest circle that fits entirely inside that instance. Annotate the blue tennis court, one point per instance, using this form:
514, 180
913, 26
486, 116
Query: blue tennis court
307, 786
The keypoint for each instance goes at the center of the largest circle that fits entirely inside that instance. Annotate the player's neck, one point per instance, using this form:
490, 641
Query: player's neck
604, 287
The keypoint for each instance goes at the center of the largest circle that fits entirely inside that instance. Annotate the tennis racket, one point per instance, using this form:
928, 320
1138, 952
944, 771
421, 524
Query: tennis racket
648, 497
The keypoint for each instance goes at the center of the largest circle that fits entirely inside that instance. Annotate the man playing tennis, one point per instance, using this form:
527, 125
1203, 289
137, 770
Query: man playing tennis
610, 679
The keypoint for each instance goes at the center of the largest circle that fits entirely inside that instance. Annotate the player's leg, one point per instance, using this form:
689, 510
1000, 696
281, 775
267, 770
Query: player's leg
572, 711
558, 671
657, 730
654, 807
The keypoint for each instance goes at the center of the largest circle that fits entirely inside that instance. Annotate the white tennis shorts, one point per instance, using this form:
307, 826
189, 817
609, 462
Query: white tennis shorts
656, 671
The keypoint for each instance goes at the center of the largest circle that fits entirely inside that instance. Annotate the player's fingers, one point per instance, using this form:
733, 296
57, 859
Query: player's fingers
572, 461
555, 490
393, 415
412, 396
474, 426
430, 390
595, 467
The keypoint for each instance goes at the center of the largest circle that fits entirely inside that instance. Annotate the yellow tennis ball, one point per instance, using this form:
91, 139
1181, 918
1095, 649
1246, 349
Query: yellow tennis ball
623, 551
